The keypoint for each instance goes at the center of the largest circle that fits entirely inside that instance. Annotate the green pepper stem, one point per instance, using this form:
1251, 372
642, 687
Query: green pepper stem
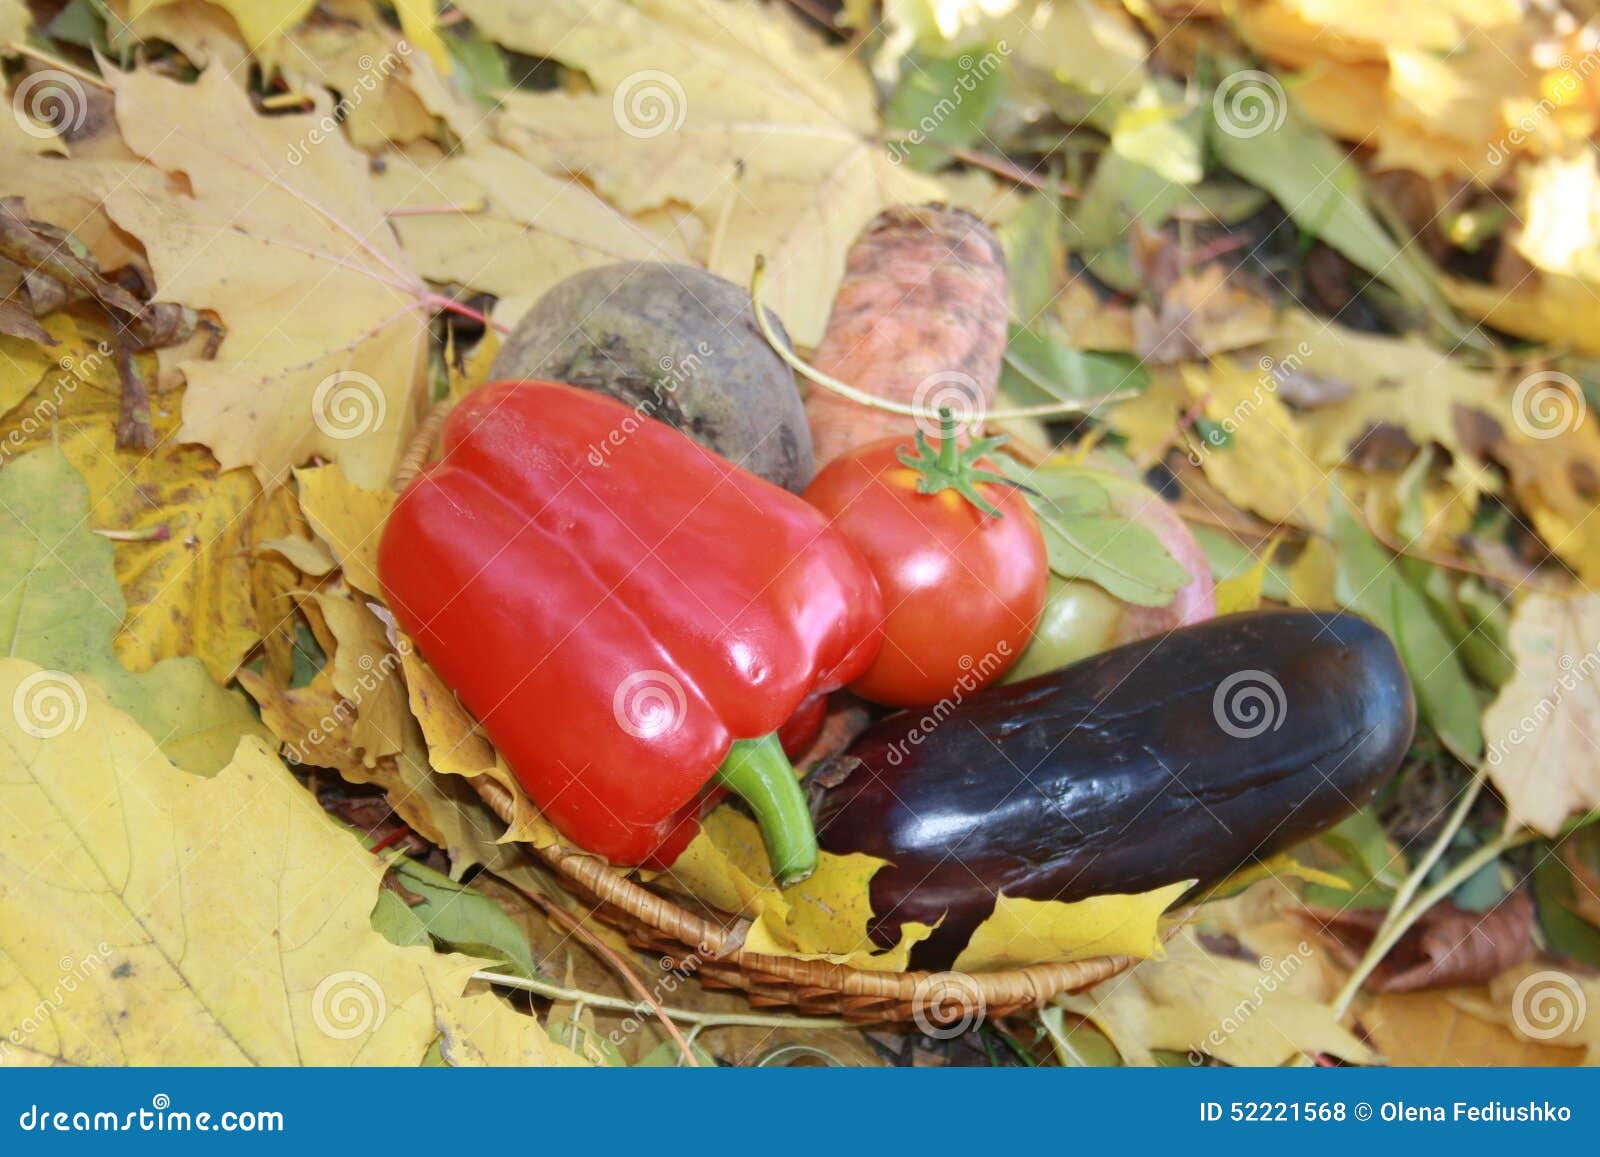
758, 772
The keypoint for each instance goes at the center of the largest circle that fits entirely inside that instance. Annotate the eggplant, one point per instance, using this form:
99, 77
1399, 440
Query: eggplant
1185, 756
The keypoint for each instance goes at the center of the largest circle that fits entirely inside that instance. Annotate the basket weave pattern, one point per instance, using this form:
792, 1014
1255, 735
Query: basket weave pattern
692, 943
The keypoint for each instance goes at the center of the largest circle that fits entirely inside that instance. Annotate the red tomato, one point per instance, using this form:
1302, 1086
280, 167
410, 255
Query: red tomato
962, 589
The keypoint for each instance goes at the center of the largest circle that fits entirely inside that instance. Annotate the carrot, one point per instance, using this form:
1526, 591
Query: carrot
919, 319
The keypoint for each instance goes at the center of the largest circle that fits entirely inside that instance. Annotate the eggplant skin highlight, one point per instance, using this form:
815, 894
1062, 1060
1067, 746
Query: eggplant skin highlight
1186, 756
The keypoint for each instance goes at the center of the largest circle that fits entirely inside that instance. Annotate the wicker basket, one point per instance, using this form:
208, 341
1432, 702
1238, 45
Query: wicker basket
710, 945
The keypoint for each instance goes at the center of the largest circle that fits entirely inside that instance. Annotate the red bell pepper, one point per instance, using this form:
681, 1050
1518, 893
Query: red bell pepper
629, 616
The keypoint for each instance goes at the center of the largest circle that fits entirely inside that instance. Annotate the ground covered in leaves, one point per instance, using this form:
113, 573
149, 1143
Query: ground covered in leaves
1329, 273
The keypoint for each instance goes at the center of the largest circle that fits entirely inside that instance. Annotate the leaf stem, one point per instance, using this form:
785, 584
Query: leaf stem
445, 304
614, 958
1400, 923
22, 48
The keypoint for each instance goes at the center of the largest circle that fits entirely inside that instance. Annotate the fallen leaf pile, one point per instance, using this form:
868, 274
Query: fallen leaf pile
1329, 273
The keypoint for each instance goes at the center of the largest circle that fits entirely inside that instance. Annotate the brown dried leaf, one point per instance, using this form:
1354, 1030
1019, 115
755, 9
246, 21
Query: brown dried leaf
1447, 946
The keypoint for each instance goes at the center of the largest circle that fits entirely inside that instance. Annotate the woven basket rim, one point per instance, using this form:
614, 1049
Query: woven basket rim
1018, 985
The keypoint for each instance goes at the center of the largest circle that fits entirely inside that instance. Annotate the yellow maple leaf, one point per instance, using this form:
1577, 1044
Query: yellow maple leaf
277, 233
1021, 932
365, 671
823, 918
165, 918
348, 518
1542, 730
1550, 453
733, 109
1265, 465
1542, 307
1191, 1001
1403, 382
486, 217
262, 23
456, 745
24, 363
1442, 1028
185, 564
1242, 592
1549, 1006
205, 33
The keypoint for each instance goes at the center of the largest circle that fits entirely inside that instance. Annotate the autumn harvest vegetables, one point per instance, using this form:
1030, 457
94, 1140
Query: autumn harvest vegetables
1180, 759
957, 554
623, 667
502, 534
679, 344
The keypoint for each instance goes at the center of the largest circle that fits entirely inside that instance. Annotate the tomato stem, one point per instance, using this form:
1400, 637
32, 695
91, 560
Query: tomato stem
952, 468
758, 772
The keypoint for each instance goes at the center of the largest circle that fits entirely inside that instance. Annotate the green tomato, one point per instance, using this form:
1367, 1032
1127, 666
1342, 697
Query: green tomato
1079, 619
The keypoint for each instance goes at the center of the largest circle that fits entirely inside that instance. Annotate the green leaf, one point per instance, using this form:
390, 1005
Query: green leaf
943, 103
1313, 180
1120, 192
61, 608
1035, 255
1360, 840
1564, 930
479, 63
1480, 891
1086, 540
1482, 649
1040, 366
1369, 581
592, 1046
1078, 1044
398, 922
81, 24
455, 915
